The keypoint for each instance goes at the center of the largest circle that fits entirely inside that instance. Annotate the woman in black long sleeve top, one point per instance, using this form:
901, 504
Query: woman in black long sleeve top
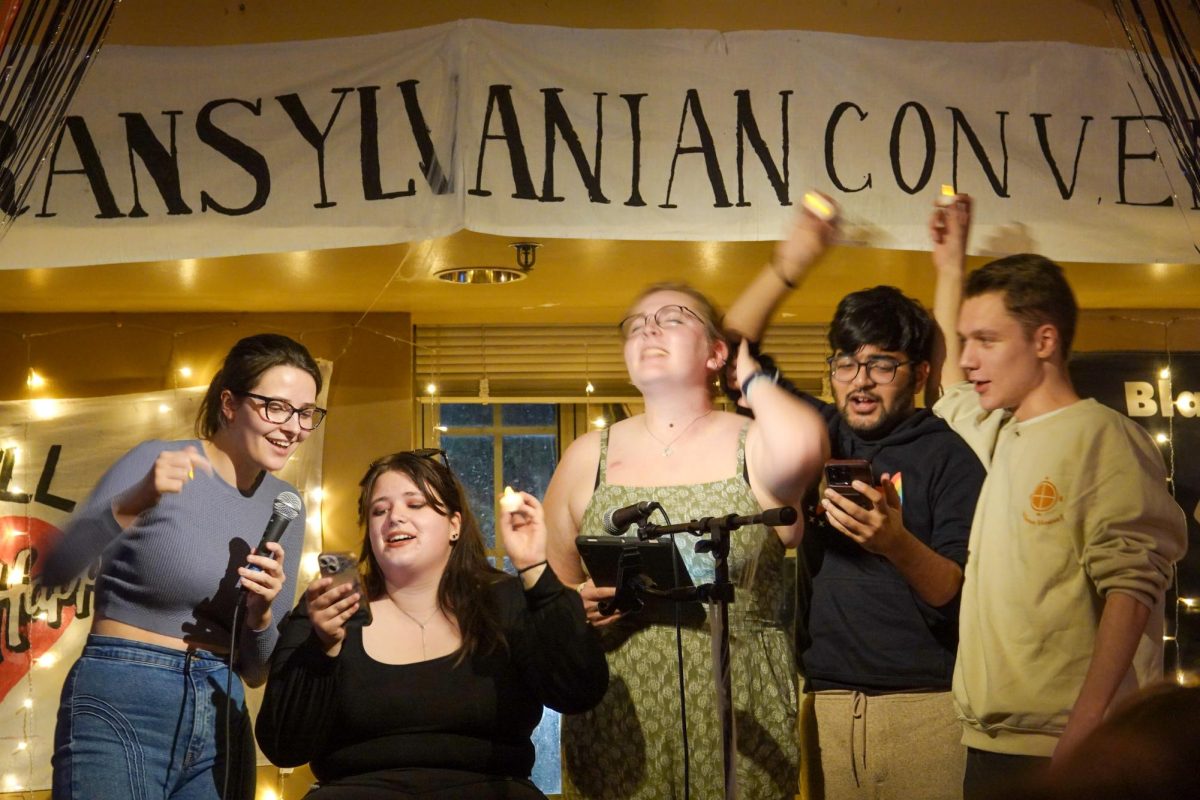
441, 692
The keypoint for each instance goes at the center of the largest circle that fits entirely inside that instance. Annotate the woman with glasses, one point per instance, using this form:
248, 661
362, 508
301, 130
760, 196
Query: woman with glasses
696, 461
151, 708
435, 692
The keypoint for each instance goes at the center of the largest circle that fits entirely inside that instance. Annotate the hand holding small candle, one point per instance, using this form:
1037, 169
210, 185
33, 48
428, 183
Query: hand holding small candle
510, 501
947, 197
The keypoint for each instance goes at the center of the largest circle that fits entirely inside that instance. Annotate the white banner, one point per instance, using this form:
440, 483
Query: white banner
551, 132
51, 454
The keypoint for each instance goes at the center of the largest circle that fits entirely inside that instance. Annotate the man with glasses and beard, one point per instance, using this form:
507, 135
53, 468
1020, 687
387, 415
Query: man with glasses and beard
885, 578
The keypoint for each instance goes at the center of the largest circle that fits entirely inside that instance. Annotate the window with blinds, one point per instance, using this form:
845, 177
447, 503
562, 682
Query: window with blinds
556, 362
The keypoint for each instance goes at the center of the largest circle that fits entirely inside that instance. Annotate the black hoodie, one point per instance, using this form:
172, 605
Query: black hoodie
869, 631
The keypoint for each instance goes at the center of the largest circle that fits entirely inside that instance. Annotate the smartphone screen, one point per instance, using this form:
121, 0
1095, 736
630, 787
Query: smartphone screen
840, 473
343, 568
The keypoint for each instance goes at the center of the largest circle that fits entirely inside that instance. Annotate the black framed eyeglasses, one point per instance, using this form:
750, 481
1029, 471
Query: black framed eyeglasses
665, 317
278, 412
880, 370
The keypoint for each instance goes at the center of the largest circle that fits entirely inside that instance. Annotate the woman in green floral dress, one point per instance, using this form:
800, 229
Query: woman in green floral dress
696, 461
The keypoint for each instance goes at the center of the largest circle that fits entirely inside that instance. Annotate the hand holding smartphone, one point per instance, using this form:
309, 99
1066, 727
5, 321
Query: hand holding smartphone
840, 473
343, 568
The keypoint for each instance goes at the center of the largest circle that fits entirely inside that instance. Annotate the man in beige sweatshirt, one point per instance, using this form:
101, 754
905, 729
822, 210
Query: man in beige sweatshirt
1074, 535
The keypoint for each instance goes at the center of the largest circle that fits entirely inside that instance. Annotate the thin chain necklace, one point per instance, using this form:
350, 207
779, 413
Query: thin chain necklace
666, 446
421, 625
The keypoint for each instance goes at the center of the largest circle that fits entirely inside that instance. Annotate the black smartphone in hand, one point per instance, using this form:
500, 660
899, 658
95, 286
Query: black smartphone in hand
343, 568
841, 472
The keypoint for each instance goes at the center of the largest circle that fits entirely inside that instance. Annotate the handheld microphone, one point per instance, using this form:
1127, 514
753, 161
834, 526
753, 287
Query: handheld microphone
617, 520
287, 507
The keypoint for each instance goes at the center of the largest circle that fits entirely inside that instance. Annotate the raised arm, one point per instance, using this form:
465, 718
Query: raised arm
806, 242
949, 227
787, 443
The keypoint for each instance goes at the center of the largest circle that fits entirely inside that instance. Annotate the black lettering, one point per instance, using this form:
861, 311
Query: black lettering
557, 120
692, 107
999, 185
1039, 122
431, 167
500, 97
368, 149
830, 131
894, 146
747, 126
299, 115
43, 495
236, 151
162, 163
634, 101
1124, 157
90, 167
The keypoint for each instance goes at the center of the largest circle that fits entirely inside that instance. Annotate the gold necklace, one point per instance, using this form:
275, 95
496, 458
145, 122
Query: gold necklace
421, 625
666, 446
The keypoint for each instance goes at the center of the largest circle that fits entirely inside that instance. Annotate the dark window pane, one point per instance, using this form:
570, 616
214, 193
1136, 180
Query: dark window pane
528, 414
529, 462
472, 459
465, 415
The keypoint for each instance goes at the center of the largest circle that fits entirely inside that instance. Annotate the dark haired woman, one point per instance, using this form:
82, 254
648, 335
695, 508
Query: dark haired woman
143, 711
438, 695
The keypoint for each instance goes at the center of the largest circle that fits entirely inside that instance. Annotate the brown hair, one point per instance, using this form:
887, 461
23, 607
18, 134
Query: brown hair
244, 365
1034, 291
462, 589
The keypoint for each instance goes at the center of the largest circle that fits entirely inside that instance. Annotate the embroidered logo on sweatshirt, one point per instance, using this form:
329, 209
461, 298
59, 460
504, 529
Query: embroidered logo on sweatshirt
1044, 502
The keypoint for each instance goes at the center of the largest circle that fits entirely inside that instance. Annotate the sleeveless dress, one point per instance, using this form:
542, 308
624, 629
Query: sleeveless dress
630, 746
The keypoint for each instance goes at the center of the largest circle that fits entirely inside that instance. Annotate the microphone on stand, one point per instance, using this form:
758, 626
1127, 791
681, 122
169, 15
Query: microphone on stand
287, 507
617, 520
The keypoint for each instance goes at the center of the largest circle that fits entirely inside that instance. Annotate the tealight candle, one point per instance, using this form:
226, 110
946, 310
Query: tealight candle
510, 501
819, 206
946, 198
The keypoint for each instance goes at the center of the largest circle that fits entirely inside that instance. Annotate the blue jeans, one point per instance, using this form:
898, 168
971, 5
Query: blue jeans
141, 722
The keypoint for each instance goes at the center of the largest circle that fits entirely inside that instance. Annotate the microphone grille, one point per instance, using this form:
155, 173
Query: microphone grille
288, 505
607, 523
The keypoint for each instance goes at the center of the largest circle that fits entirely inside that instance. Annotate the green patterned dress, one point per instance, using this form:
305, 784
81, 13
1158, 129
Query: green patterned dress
630, 746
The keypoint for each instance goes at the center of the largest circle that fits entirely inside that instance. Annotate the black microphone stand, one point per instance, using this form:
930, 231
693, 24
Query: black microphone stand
718, 594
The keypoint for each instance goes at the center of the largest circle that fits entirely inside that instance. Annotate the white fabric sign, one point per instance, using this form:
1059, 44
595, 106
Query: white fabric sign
551, 132
51, 454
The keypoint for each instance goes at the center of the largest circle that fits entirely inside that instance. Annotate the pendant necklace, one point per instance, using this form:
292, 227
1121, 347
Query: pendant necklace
421, 625
666, 446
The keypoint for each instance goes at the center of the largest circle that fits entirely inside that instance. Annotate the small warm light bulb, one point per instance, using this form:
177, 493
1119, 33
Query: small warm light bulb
440, 428
309, 564
316, 495
27, 702
1188, 602
510, 501
47, 660
163, 408
185, 372
45, 615
589, 388
600, 422
1168, 637
314, 521
15, 575
1162, 438
431, 388
45, 408
1165, 373
11, 784
35, 381
267, 793
22, 745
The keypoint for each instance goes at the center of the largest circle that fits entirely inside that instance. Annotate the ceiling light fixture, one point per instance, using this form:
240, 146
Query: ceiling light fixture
526, 256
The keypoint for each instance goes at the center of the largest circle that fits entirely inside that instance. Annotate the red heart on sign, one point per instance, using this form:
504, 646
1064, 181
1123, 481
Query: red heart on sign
26, 541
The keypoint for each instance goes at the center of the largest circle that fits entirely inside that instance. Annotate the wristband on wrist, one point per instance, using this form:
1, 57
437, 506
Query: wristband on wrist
523, 570
773, 377
779, 274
